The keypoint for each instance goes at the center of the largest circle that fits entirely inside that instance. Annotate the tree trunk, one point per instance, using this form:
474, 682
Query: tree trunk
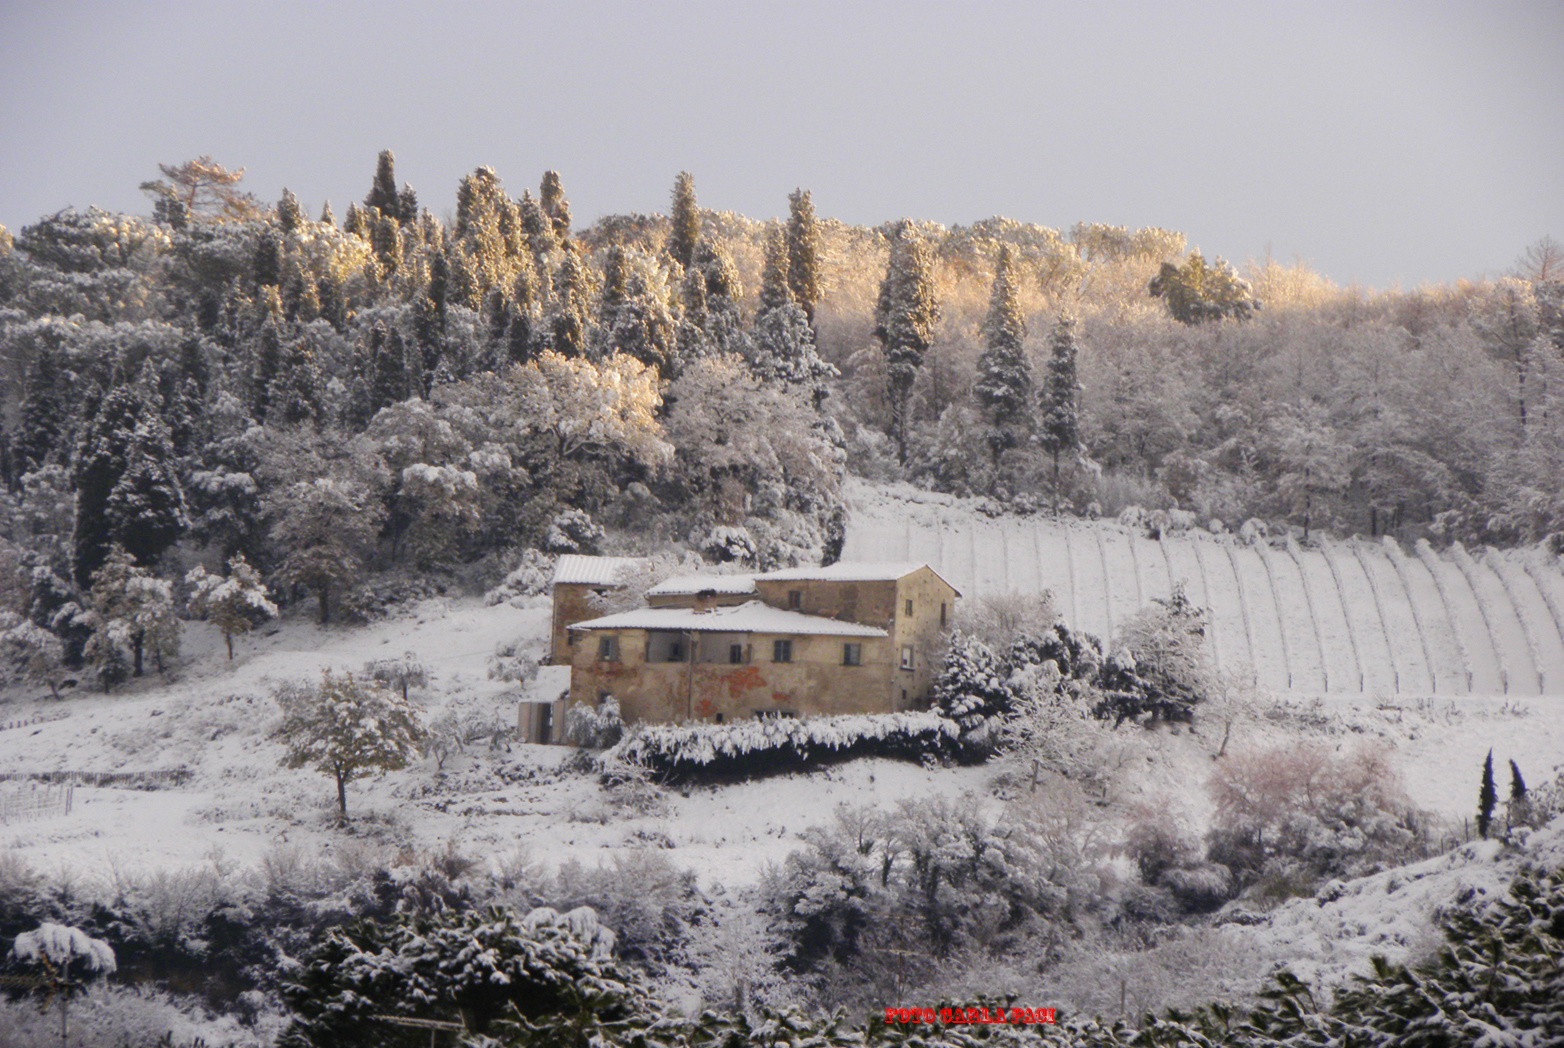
324, 595
135, 647
342, 794
228, 638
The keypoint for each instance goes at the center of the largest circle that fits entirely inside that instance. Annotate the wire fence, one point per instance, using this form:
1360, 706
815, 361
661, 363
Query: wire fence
131, 780
35, 801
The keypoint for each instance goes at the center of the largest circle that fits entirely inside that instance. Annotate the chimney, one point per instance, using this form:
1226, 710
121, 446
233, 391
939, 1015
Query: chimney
705, 600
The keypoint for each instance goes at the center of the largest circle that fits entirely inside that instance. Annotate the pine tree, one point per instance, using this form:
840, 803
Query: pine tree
290, 216
1061, 424
382, 195
686, 227
1197, 292
327, 216
267, 353
1004, 380
407, 205
803, 251
146, 507
551, 196
904, 319
1487, 797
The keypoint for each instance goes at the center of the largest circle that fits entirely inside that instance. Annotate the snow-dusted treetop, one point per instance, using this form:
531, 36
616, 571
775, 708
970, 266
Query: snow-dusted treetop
59, 945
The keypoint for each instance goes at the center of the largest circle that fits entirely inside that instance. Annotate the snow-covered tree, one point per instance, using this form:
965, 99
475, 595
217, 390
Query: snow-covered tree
1004, 380
1197, 292
33, 652
1487, 797
132, 614
348, 728
1160, 666
803, 251
65, 954
1060, 428
685, 231
235, 604
321, 530
551, 198
904, 319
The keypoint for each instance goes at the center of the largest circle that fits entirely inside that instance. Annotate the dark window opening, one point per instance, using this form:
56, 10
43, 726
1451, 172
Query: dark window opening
781, 651
942, 616
795, 598
735, 653
608, 649
909, 606
852, 654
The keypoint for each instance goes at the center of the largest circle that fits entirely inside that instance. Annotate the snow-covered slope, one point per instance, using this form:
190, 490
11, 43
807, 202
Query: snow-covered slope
1338, 616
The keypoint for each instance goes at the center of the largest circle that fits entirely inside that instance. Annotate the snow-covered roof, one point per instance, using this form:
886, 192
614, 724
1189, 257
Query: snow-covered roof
689, 585
849, 571
573, 568
750, 617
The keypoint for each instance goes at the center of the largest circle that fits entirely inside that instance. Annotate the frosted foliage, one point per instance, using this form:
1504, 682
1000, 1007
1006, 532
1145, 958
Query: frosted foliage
58, 945
348, 728
529, 578
234, 604
703, 743
582, 405
594, 727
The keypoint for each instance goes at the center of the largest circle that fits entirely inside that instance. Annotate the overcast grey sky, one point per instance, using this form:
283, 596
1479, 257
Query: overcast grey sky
1382, 143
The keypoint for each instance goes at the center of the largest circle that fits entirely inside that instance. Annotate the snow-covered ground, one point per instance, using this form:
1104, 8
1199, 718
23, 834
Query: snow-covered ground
239, 806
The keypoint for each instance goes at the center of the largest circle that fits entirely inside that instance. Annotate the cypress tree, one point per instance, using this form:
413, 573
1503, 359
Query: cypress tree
44, 414
568, 318
355, 223
536, 230
1487, 797
290, 216
1520, 803
803, 251
614, 291
327, 216
407, 205
267, 353
382, 195
551, 194
686, 231
1004, 381
268, 262
775, 291
101, 458
1061, 428
387, 241
904, 319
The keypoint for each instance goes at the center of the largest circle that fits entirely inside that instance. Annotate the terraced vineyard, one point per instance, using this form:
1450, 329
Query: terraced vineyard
1337, 616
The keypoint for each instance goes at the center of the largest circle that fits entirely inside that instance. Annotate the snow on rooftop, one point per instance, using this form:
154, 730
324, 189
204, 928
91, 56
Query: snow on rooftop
752, 617
575, 569
689, 585
850, 571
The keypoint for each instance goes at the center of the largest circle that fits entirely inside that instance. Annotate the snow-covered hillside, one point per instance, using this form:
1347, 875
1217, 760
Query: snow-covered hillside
1335, 617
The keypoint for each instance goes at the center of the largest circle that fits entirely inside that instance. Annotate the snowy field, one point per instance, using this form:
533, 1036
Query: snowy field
1378, 643
1350, 617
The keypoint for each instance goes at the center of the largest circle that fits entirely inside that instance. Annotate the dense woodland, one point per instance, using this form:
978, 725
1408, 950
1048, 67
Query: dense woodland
237, 386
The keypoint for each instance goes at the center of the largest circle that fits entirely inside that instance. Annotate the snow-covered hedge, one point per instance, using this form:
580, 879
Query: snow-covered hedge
769, 745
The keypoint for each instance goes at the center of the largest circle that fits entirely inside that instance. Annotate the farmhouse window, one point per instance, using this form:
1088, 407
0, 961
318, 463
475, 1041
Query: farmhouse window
781, 651
735, 653
608, 649
909, 607
852, 654
906, 657
795, 598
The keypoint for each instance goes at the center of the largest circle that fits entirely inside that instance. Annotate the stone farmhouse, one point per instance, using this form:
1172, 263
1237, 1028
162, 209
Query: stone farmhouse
848, 638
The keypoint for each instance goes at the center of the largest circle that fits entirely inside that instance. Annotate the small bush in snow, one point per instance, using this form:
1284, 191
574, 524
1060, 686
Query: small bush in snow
724, 544
529, 578
595, 727
235, 605
573, 531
